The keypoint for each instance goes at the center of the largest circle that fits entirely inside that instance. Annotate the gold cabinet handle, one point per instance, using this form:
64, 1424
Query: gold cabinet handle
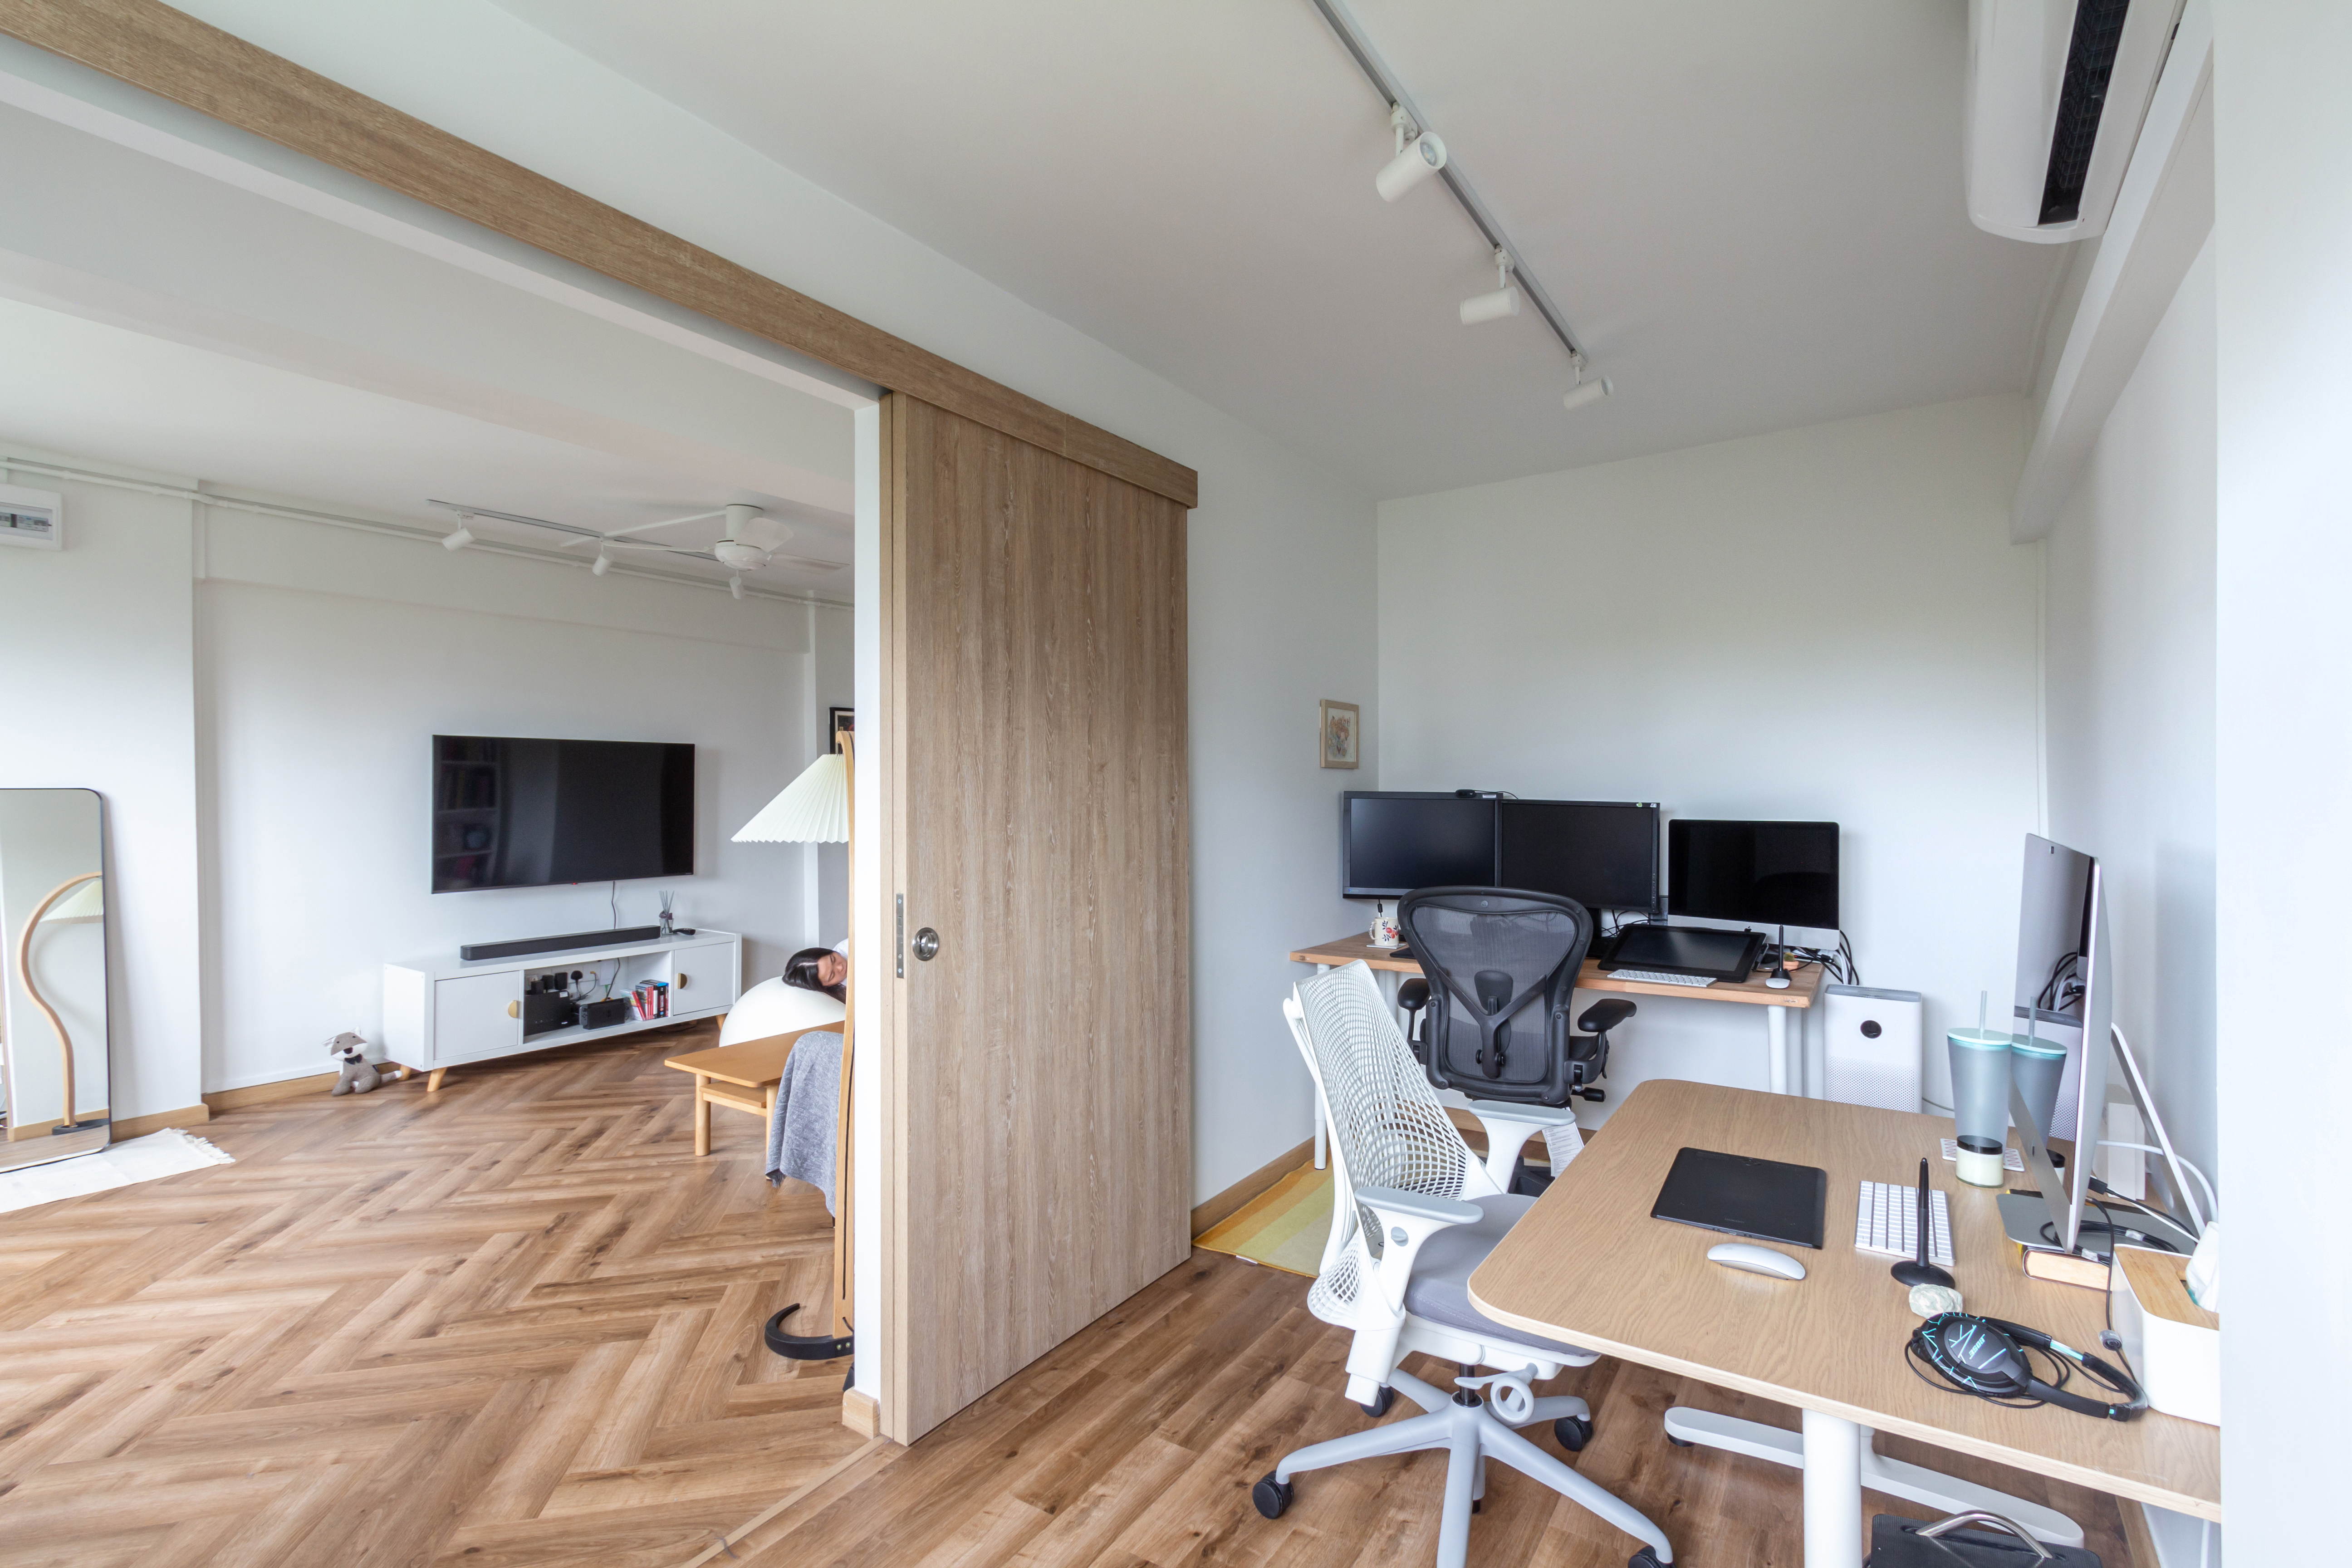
514, 1009
681, 983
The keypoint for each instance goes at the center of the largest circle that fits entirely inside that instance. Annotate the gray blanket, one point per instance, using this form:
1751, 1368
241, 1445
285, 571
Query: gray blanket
808, 1102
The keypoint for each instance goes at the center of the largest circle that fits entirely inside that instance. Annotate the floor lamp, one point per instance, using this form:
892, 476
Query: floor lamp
820, 807
87, 902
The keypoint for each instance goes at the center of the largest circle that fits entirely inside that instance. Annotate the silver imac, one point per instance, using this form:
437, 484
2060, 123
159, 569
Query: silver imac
2065, 995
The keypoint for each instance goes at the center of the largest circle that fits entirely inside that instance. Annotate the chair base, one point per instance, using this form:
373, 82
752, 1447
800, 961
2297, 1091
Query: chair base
1892, 1478
1471, 1434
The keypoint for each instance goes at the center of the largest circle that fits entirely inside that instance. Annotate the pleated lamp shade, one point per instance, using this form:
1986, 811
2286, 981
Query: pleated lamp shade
87, 902
813, 809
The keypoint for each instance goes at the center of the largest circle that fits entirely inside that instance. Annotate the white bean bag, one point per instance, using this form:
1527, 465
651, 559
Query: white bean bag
772, 1007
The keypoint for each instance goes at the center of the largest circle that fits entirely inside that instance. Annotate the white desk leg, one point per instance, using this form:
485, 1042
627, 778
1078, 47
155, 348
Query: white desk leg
1832, 1491
1321, 1156
1776, 1047
1875, 1472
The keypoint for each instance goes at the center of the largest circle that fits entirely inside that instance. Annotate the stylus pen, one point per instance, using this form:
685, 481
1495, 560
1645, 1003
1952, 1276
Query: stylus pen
1922, 1256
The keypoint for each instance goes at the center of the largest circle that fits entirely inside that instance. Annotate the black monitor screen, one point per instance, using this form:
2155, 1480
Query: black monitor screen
1601, 853
516, 812
1392, 843
1773, 873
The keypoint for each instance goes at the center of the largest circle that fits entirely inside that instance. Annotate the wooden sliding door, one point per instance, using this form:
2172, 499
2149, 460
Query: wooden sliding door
1038, 1081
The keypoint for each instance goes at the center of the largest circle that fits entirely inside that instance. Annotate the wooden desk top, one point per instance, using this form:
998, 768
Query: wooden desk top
753, 1064
1804, 981
1588, 1265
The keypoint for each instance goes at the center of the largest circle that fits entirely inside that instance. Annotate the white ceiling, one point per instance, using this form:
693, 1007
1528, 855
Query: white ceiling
92, 389
1751, 214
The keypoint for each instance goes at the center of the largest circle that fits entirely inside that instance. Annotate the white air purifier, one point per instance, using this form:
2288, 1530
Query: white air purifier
1869, 1049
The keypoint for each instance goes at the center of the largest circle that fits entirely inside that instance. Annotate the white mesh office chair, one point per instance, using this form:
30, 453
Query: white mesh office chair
1413, 1213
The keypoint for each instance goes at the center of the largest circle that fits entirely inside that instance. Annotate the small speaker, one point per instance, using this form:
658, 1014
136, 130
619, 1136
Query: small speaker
1871, 1046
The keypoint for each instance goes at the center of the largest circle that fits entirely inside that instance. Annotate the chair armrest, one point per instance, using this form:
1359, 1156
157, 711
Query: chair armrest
1508, 1127
1407, 1219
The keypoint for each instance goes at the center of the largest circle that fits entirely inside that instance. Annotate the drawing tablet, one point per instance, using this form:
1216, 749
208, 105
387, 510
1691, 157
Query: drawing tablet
1742, 1196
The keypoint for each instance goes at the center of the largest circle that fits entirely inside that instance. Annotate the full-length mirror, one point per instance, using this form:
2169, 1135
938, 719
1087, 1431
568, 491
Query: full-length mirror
53, 1023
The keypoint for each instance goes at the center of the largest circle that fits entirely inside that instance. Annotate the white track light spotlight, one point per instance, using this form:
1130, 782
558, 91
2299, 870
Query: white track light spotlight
1416, 159
463, 536
735, 583
1504, 302
604, 562
1585, 392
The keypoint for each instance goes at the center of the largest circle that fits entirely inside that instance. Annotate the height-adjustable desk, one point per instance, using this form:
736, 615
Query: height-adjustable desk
1588, 1265
1804, 990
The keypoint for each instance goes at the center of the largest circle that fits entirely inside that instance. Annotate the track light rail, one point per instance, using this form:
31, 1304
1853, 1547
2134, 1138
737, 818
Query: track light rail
1385, 82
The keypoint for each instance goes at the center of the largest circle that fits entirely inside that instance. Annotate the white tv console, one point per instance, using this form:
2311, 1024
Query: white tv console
441, 1012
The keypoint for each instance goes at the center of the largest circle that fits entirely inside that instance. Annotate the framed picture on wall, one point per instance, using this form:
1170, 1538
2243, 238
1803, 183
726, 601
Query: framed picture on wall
1341, 727
844, 723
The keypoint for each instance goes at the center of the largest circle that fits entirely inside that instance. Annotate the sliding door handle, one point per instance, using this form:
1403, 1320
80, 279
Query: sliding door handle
927, 944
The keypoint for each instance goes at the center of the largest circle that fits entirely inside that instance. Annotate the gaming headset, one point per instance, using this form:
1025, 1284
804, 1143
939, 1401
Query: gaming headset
1988, 1357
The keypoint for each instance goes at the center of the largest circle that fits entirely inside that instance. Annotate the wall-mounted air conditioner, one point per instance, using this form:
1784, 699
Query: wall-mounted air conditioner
2056, 92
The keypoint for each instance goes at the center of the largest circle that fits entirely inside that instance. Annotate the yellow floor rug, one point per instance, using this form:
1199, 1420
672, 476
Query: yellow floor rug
1283, 1227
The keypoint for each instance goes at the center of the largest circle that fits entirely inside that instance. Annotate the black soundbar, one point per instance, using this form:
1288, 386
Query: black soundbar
526, 946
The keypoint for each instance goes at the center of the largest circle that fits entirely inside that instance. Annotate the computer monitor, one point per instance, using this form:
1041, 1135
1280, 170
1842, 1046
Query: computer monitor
1391, 842
1604, 854
1767, 873
2065, 994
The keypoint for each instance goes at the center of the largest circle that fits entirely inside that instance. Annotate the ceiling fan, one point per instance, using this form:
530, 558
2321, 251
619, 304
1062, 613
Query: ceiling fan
753, 538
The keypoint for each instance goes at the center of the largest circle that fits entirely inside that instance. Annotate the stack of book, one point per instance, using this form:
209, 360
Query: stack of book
650, 999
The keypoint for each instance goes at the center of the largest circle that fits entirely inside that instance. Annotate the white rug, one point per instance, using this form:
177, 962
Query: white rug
164, 1153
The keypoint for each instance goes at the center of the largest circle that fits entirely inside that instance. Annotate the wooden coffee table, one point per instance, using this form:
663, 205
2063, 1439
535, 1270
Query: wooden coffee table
743, 1075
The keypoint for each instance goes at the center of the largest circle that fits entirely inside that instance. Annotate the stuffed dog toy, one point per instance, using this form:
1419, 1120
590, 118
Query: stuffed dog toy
357, 1074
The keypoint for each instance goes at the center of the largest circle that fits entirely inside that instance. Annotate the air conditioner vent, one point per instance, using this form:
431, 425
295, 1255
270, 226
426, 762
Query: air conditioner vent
2090, 62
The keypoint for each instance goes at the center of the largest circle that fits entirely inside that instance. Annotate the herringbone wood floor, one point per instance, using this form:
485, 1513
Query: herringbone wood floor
517, 1324
513, 1323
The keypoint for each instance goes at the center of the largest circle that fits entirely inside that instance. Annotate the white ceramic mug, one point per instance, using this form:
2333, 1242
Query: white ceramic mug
1384, 928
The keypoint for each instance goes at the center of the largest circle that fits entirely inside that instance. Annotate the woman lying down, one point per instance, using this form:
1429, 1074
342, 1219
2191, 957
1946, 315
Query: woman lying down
808, 1100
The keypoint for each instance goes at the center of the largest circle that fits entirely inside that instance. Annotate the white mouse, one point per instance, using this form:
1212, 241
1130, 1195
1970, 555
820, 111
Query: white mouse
1756, 1260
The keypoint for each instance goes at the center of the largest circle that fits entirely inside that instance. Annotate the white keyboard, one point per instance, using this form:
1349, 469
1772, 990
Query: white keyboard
1886, 1222
1659, 977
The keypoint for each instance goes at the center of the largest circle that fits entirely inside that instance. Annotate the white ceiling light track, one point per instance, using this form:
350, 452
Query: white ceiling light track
215, 499
1421, 156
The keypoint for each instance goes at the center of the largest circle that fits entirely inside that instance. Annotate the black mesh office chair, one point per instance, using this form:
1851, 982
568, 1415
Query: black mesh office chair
1502, 965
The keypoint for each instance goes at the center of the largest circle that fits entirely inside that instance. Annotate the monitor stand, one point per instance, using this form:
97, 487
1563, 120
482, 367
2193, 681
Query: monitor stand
2025, 1216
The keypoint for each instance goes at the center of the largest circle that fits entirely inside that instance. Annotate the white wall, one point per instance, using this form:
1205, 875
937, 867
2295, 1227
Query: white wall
320, 705
2282, 561
252, 696
101, 697
1826, 623
2129, 616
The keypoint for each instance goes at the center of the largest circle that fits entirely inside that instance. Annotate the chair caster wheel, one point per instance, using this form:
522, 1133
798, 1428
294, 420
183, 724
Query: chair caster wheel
1573, 1432
1680, 1442
1272, 1496
1380, 1406
1645, 1558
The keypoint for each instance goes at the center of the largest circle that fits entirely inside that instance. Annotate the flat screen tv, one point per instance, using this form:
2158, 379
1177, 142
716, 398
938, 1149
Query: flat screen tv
511, 811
